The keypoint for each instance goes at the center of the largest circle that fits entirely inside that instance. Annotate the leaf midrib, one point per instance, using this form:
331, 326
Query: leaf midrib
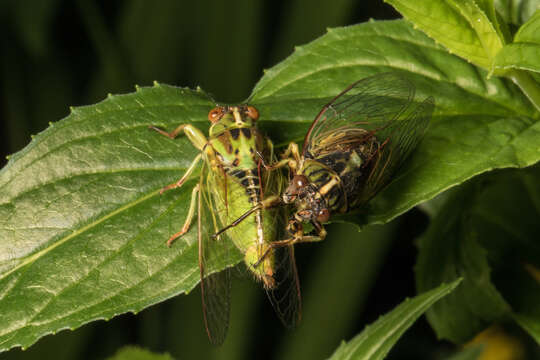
104, 261
30, 259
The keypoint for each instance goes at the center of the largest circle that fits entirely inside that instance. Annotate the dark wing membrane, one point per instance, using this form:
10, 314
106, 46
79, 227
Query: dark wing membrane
285, 296
378, 98
215, 286
396, 141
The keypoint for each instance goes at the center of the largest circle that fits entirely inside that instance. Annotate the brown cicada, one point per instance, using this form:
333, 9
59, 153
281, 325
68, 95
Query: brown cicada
352, 150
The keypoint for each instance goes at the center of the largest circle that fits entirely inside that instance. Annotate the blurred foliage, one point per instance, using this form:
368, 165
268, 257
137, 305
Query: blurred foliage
135, 353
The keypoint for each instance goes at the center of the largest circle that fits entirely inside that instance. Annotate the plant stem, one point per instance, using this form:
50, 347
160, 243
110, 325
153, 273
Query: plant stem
528, 85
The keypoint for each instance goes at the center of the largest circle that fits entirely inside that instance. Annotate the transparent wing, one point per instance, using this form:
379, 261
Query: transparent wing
396, 141
367, 103
215, 286
285, 297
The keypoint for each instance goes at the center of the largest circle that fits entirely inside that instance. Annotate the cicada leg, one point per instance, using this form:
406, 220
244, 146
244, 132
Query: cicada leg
183, 179
189, 218
198, 140
193, 134
288, 160
296, 230
321, 233
269, 202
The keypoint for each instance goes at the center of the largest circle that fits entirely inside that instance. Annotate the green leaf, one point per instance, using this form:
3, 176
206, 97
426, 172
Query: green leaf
463, 27
530, 31
135, 353
448, 251
83, 228
489, 8
378, 338
82, 225
516, 12
524, 53
522, 56
529, 324
477, 236
511, 241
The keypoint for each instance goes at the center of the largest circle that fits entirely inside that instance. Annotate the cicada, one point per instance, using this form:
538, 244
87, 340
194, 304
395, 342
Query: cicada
352, 150
232, 181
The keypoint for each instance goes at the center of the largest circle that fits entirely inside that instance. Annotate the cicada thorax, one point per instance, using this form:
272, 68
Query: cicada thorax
351, 162
324, 189
237, 152
336, 172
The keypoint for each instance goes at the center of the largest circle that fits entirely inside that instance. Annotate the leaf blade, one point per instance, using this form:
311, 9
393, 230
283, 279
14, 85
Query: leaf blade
89, 235
462, 26
378, 338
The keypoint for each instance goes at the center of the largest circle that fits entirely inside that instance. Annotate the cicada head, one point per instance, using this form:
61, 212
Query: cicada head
296, 185
232, 117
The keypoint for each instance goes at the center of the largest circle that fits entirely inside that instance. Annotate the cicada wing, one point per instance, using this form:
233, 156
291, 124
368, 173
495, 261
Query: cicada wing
285, 297
367, 103
215, 286
396, 142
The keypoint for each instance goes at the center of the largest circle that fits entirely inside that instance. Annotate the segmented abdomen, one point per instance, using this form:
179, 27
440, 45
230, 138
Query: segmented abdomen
249, 179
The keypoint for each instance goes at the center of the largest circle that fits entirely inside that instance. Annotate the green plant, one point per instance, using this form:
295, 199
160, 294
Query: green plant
83, 226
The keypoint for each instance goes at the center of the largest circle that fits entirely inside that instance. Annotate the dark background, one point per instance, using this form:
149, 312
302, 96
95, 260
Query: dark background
58, 54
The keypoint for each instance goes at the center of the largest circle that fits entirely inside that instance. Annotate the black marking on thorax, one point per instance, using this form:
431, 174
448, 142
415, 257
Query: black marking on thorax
235, 133
334, 198
336, 161
246, 132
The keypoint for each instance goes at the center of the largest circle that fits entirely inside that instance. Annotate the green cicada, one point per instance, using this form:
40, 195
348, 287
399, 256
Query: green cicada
232, 181
352, 150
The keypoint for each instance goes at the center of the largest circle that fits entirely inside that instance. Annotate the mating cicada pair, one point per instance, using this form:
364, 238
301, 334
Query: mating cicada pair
352, 150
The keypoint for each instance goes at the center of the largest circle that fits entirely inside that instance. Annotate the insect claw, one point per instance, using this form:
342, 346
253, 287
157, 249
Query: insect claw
184, 230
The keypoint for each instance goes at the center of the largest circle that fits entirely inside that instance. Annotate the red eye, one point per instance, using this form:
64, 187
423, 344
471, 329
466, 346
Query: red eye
252, 112
215, 114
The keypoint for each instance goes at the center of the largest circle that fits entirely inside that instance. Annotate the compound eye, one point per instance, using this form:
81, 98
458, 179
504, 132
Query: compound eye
252, 113
300, 181
215, 114
323, 215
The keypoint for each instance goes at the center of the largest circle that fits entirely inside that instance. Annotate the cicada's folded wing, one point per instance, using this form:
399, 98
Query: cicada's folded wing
215, 286
366, 104
396, 140
285, 297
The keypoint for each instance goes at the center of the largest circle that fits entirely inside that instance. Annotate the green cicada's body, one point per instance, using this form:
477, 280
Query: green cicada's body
233, 150
232, 181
